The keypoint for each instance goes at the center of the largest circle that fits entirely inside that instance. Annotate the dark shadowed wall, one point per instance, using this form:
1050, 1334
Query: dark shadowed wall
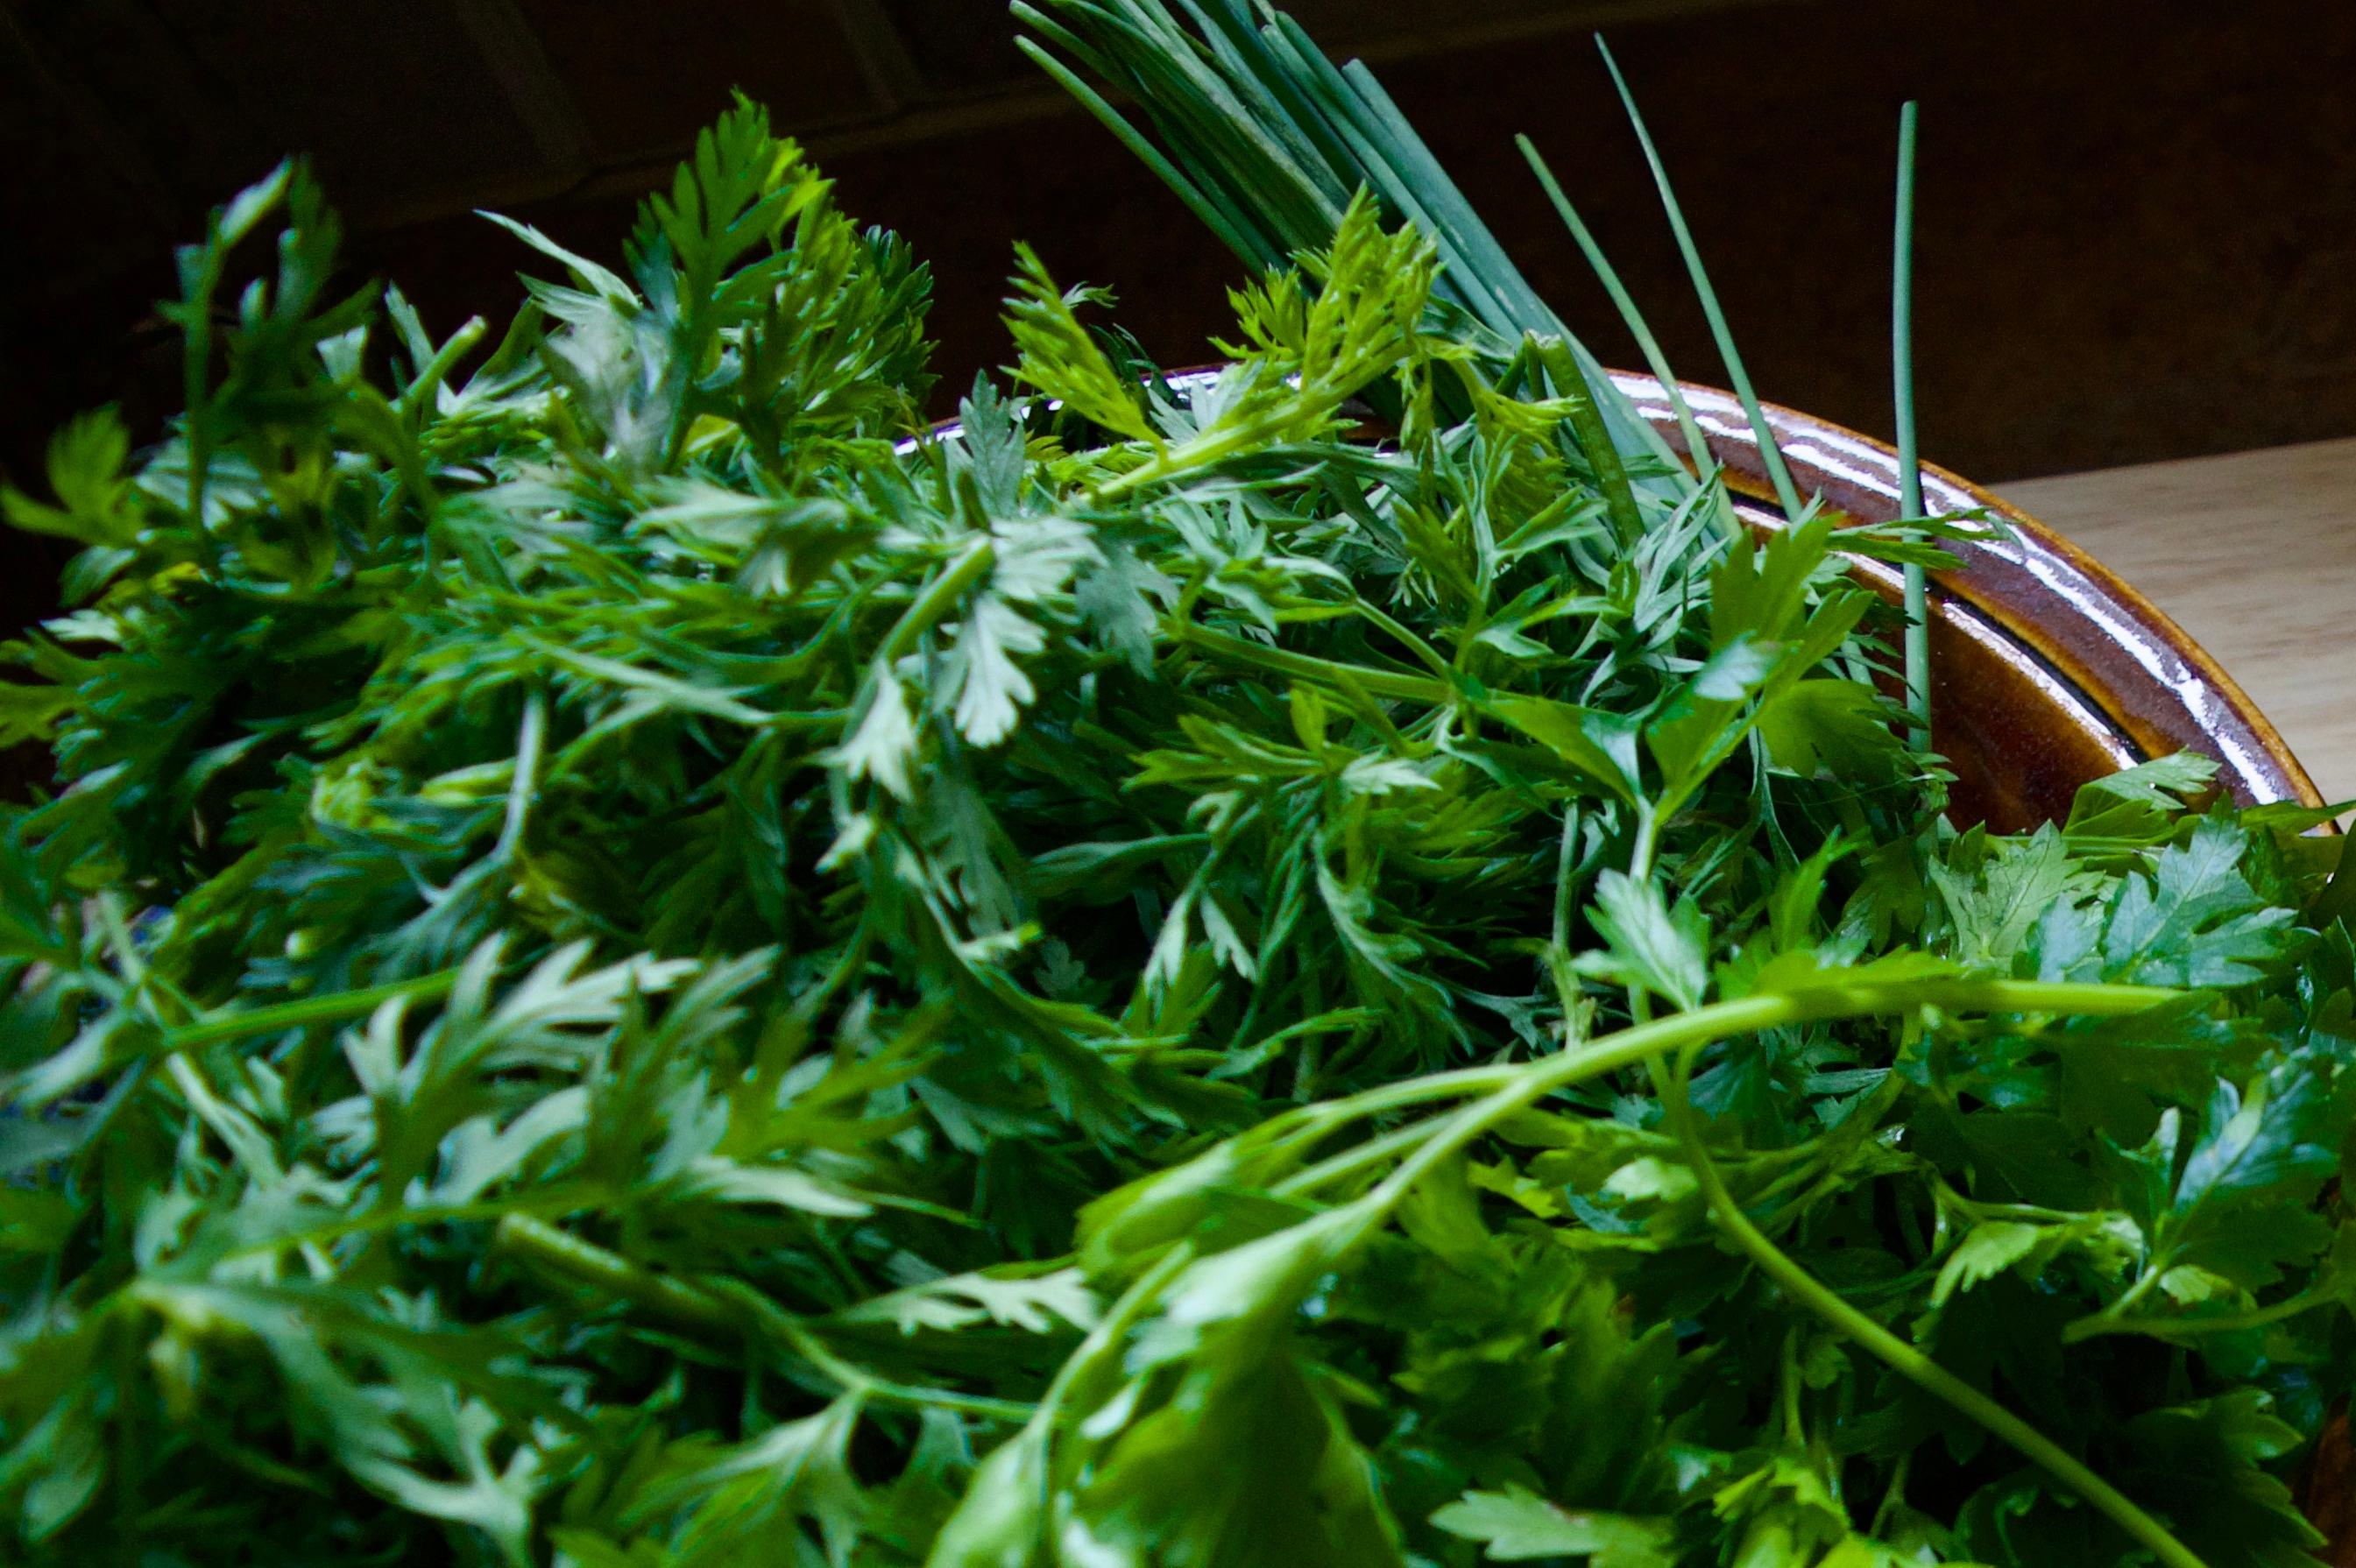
2137, 236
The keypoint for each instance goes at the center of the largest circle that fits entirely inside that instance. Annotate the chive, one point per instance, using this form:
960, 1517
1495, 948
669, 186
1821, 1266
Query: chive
1586, 425
1397, 192
1910, 469
1647, 345
1768, 451
1201, 206
1416, 164
1252, 88
1286, 85
1524, 311
1202, 91
1354, 122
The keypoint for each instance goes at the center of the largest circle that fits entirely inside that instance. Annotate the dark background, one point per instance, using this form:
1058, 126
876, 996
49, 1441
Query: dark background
2138, 234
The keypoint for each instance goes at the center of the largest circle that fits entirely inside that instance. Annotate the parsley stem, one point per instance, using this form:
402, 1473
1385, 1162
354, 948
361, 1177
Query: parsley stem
1895, 1496
1721, 1020
1795, 1425
1648, 840
1374, 1151
2153, 1270
2336, 900
1683, 1036
552, 1251
1973, 1208
1520, 1084
309, 1010
1249, 435
1909, 1361
938, 599
1396, 684
2113, 1321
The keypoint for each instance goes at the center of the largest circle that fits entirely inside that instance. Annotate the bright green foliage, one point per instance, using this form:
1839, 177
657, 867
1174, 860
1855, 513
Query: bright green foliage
635, 965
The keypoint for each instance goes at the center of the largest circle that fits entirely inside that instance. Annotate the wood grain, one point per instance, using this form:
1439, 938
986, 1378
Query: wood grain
2253, 553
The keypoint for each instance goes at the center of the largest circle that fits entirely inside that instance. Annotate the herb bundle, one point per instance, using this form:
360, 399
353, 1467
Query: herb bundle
637, 962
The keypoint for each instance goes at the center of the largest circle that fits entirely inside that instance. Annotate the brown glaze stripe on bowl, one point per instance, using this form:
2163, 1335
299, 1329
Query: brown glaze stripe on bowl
2058, 642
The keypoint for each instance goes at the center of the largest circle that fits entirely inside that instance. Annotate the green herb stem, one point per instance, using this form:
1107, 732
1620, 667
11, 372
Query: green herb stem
399, 1217
1199, 203
2336, 900
1231, 441
1368, 1156
419, 398
1425, 654
548, 1250
1594, 440
974, 563
1909, 466
1522, 1084
859, 1381
2100, 1323
1656, 361
310, 1010
531, 734
1907, 1360
1975, 1210
2118, 1311
1683, 1036
1722, 1020
551, 1251
1786, 493
1396, 684
1894, 1496
1648, 841
1795, 1425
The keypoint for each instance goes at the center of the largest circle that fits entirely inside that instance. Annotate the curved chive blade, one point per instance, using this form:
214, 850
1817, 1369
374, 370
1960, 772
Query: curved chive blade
1608, 276
1151, 157
1909, 471
1785, 493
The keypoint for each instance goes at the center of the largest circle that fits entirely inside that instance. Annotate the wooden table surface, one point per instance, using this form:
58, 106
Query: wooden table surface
2254, 554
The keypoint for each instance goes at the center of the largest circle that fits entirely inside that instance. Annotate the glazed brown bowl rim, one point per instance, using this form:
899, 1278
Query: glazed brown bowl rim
2048, 602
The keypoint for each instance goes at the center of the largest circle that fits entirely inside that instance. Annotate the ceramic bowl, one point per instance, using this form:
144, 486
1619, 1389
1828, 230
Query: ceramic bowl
2046, 670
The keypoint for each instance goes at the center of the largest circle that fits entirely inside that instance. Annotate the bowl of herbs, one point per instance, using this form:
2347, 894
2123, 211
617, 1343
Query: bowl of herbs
1365, 957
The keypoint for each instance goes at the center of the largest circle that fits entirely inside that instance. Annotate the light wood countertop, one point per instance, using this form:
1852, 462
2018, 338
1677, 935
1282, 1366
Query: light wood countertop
2253, 553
